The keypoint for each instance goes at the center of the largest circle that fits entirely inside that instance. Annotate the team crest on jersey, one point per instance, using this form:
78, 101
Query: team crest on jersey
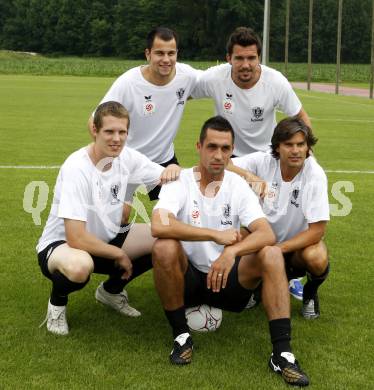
180, 93
149, 107
114, 190
257, 113
295, 194
228, 104
226, 212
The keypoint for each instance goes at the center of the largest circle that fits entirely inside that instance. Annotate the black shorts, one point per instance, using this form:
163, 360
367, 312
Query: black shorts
233, 297
153, 194
101, 265
292, 271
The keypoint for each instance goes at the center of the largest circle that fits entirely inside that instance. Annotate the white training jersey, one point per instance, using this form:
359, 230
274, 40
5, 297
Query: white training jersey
155, 111
235, 204
84, 193
290, 206
251, 112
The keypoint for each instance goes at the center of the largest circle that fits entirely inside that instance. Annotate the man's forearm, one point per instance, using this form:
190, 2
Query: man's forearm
246, 175
169, 227
301, 241
94, 246
304, 117
253, 242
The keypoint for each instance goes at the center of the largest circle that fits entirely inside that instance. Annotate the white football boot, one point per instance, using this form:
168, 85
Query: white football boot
56, 320
118, 302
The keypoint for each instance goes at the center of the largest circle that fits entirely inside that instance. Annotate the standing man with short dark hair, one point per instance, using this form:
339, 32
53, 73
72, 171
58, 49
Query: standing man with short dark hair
295, 203
247, 93
199, 256
85, 231
155, 96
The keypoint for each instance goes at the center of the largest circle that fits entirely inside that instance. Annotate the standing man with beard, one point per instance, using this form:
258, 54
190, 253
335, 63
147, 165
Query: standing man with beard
248, 93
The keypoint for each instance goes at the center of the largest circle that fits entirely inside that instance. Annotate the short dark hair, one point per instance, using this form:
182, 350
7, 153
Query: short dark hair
243, 36
218, 123
164, 33
286, 129
110, 108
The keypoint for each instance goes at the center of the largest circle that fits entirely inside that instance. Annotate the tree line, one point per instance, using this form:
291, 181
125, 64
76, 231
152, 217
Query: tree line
119, 27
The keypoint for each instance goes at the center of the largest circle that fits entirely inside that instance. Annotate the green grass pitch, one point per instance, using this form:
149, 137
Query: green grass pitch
43, 120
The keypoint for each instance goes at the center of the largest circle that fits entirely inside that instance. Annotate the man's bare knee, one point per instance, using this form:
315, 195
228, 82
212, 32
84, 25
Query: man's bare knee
271, 259
80, 268
317, 266
249, 272
165, 253
316, 259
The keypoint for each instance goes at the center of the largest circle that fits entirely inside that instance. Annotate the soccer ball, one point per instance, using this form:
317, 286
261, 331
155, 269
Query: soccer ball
203, 318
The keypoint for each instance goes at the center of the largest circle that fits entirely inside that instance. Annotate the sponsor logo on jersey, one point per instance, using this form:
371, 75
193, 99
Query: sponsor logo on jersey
180, 93
228, 104
257, 113
195, 213
149, 107
226, 212
272, 192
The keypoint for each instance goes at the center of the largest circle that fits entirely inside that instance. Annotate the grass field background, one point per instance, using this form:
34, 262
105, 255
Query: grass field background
25, 63
43, 120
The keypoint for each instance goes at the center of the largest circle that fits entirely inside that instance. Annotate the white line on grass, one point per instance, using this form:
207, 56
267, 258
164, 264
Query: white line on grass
58, 166
29, 166
342, 120
332, 98
340, 171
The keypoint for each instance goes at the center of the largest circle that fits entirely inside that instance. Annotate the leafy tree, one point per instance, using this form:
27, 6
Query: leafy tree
356, 31
119, 27
101, 28
22, 29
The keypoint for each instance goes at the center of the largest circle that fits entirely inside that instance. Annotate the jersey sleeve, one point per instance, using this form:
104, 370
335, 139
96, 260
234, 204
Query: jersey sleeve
202, 87
316, 202
249, 162
142, 171
287, 101
116, 92
75, 194
172, 197
249, 206
192, 74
